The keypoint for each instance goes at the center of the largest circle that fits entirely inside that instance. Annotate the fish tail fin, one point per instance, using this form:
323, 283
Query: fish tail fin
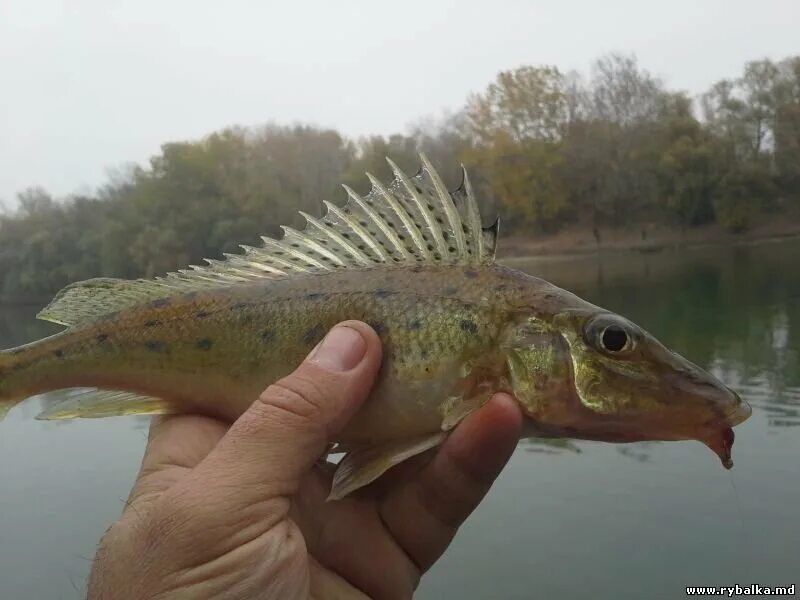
7, 398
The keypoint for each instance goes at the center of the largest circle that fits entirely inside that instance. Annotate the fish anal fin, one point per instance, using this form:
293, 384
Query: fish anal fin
363, 466
93, 404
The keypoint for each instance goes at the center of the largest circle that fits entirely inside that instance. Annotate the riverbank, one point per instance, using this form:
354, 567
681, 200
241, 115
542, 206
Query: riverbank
581, 242
644, 238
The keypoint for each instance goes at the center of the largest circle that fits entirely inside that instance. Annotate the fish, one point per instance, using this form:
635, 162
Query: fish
414, 261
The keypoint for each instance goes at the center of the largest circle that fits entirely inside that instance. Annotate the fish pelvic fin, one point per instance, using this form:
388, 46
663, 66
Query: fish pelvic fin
413, 219
360, 467
95, 404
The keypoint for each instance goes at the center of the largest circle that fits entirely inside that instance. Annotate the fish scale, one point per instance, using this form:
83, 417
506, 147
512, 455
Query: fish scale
412, 261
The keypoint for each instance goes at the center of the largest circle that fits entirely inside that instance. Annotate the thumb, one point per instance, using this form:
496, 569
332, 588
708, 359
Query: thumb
269, 449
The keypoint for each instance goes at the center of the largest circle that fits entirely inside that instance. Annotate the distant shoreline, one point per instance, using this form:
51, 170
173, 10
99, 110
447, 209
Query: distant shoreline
580, 243
650, 240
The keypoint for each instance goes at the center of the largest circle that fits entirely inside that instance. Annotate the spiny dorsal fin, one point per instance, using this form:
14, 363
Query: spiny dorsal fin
489, 239
414, 219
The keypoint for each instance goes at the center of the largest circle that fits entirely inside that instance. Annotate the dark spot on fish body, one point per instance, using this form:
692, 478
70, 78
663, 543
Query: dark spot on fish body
471, 273
152, 323
378, 325
102, 337
202, 314
240, 305
161, 303
58, 353
313, 335
415, 325
155, 346
468, 326
204, 344
315, 296
383, 293
267, 335
501, 287
416, 268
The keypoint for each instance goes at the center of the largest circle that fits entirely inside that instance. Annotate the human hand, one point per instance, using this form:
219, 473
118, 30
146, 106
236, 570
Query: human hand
240, 512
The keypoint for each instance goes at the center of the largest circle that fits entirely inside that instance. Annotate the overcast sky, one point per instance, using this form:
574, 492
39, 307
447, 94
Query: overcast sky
90, 84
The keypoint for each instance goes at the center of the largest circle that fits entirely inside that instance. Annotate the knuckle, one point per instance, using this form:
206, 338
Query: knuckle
297, 399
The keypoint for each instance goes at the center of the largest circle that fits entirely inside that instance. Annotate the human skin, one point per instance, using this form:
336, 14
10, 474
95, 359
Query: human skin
239, 511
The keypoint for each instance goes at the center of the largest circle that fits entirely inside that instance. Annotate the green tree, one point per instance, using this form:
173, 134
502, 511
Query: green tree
516, 127
787, 128
740, 195
687, 173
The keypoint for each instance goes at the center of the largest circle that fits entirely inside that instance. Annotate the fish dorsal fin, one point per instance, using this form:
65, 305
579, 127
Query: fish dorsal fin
412, 220
489, 235
87, 300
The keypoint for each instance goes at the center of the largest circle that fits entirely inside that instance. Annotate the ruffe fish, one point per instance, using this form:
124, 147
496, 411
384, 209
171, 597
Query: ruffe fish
415, 262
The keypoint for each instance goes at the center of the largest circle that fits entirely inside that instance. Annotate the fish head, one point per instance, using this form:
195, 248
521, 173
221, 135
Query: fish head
620, 384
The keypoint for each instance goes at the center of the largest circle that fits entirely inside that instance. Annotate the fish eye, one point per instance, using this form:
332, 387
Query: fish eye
614, 338
610, 334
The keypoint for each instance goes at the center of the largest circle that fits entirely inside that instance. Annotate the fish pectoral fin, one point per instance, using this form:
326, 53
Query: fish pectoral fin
91, 404
455, 410
363, 466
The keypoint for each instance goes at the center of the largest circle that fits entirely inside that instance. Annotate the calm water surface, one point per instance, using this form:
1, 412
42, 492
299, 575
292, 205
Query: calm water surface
565, 520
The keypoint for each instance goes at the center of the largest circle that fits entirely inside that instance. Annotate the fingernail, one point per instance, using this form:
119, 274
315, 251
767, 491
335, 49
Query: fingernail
341, 350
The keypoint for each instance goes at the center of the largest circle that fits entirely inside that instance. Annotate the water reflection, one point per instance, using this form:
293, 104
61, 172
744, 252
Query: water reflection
550, 446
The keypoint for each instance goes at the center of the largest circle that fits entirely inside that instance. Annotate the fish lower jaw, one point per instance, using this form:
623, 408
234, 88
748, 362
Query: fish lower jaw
720, 441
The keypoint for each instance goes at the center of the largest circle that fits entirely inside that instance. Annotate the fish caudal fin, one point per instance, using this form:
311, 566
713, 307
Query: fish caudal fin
95, 404
7, 400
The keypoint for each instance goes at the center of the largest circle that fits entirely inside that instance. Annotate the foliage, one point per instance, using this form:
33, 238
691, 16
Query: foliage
615, 148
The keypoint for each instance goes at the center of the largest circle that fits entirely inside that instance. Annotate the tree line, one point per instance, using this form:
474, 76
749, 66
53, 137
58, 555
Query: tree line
608, 149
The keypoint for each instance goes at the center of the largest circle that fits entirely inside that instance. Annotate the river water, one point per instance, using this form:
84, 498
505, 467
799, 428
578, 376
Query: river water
566, 519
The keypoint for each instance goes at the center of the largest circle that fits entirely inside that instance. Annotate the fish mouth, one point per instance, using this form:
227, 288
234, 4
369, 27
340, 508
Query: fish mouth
740, 413
720, 439
721, 443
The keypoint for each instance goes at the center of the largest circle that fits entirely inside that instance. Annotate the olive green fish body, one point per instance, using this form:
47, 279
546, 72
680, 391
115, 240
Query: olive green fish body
214, 351
414, 262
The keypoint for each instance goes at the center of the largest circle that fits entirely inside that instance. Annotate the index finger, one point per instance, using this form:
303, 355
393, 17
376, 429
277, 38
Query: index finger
424, 514
175, 445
